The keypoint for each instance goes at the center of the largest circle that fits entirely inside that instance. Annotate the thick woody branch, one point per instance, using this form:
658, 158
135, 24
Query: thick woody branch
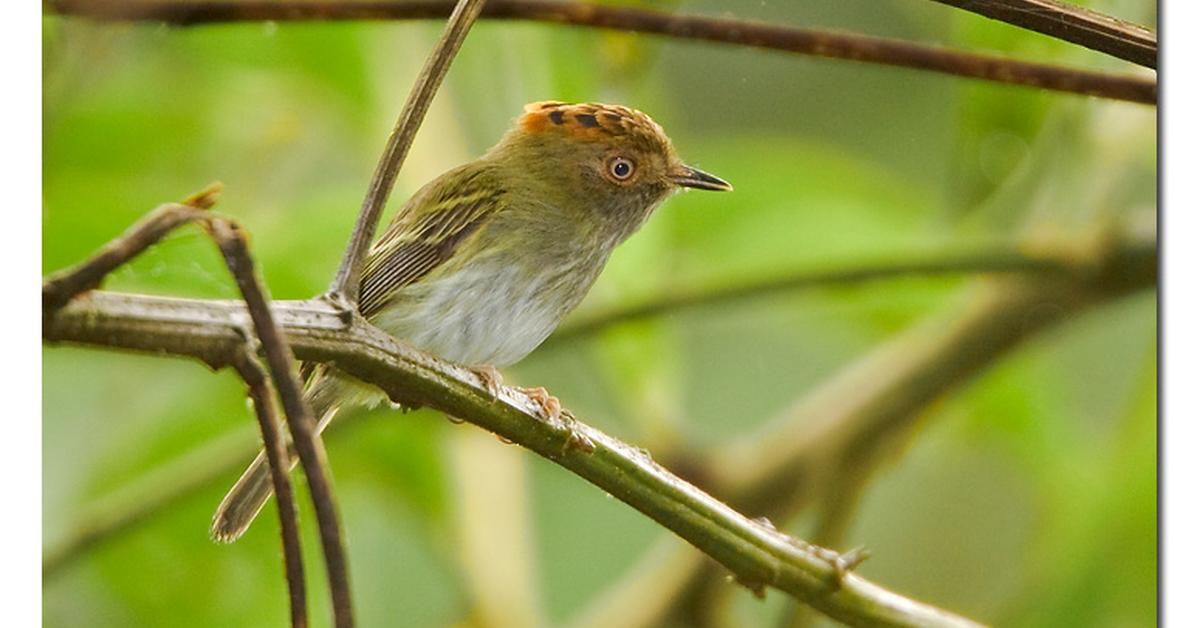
119, 513
303, 427
345, 284
821, 43
277, 457
757, 555
1075, 24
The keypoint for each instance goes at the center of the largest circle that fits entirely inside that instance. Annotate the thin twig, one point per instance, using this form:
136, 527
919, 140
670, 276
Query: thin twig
999, 258
158, 491
114, 515
756, 554
1074, 24
307, 443
63, 286
345, 284
277, 458
821, 43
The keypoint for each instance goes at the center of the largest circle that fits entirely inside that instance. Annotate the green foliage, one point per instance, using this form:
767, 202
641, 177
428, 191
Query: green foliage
1026, 498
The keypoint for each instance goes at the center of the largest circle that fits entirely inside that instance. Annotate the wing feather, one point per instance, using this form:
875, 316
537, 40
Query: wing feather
426, 233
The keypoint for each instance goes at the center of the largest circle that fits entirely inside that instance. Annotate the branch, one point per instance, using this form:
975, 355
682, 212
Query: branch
881, 395
345, 284
850, 419
307, 443
821, 43
116, 515
997, 258
63, 286
1078, 25
277, 457
756, 554
120, 512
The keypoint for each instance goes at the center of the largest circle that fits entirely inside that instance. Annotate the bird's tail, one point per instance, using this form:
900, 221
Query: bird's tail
250, 493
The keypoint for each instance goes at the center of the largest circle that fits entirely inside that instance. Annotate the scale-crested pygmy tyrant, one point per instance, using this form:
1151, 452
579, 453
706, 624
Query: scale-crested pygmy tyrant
482, 263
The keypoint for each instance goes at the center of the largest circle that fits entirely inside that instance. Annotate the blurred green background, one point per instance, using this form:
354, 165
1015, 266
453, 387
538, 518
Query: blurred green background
1025, 498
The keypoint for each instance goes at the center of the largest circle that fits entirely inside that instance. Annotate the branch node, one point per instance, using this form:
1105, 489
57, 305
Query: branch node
577, 439
758, 589
766, 523
206, 198
849, 561
342, 305
60, 288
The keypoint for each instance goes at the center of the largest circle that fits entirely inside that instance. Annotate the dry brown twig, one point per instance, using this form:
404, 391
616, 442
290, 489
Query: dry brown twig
806, 41
344, 291
1075, 24
309, 447
63, 287
277, 457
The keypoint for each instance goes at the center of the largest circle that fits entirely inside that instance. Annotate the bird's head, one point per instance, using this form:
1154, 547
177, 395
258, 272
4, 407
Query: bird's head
609, 161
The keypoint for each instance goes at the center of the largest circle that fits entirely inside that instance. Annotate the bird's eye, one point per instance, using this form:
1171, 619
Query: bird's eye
620, 168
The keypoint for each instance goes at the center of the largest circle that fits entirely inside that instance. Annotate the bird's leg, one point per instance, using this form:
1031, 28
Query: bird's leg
551, 409
491, 378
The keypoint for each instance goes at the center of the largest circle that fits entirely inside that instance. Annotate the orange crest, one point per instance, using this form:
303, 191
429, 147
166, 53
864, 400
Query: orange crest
594, 121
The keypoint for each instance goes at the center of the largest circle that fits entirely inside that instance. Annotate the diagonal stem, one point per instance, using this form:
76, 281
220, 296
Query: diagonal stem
1078, 25
309, 447
842, 427
277, 457
344, 290
757, 555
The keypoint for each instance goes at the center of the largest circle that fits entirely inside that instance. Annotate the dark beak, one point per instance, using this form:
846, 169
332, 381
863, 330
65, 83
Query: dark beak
689, 177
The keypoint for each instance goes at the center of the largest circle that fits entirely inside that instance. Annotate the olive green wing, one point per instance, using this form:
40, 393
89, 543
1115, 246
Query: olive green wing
427, 232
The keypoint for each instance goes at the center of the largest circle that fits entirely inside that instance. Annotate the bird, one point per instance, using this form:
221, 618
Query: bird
481, 264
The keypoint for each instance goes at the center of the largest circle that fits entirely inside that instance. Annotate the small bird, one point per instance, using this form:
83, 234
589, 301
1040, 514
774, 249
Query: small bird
483, 262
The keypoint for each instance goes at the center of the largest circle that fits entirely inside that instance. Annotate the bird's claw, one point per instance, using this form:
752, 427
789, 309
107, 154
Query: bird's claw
549, 407
491, 379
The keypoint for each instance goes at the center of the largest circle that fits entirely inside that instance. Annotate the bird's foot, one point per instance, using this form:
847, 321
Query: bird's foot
548, 405
490, 378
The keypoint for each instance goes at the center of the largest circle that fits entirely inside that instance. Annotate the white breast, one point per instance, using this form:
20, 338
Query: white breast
476, 316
